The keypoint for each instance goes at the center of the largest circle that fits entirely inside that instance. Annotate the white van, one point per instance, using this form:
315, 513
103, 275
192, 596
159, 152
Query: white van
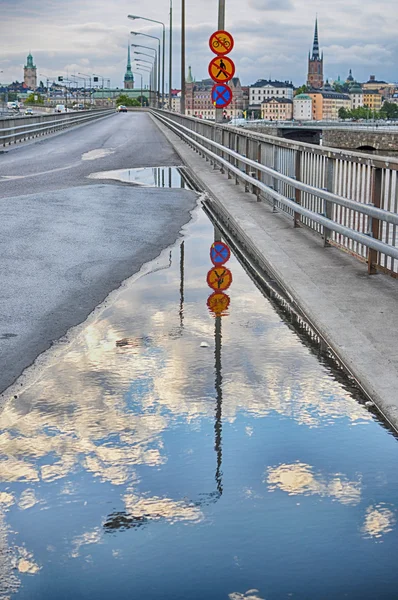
60, 108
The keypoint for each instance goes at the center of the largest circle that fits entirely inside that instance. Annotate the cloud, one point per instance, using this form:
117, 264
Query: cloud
271, 38
274, 5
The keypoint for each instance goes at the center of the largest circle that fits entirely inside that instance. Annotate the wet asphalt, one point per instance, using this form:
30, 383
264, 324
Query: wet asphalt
67, 241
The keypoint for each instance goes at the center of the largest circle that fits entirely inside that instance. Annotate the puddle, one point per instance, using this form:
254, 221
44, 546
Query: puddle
164, 177
100, 153
160, 424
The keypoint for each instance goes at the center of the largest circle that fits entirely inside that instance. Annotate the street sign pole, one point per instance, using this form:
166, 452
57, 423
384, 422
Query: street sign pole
221, 27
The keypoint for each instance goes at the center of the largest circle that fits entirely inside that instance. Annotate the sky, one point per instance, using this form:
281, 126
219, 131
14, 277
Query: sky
272, 37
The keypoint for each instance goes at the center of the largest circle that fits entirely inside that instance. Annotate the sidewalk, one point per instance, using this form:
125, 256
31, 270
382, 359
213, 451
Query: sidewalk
355, 313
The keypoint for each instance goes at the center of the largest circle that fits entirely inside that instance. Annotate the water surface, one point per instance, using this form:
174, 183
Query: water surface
169, 454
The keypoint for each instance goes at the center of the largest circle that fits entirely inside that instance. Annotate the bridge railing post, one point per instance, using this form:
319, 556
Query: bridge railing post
259, 174
328, 207
374, 224
297, 193
275, 181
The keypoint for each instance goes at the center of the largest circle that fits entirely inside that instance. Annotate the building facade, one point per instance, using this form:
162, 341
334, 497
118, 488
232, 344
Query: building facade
302, 107
30, 73
315, 64
372, 99
356, 95
128, 76
264, 89
198, 101
277, 109
326, 105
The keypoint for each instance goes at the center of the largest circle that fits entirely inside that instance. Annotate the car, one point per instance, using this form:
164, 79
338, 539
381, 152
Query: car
60, 108
122, 108
28, 111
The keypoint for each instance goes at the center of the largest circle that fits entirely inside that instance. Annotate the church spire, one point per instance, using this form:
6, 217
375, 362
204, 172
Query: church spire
128, 59
128, 77
315, 45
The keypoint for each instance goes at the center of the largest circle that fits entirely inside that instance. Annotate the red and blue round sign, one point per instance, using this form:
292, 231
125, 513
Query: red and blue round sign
221, 95
219, 253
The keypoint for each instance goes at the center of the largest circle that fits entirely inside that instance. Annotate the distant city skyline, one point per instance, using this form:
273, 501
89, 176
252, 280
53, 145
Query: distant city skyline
91, 36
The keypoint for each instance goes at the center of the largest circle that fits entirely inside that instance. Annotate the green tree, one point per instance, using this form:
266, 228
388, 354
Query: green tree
344, 113
303, 89
390, 109
126, 101
31, 99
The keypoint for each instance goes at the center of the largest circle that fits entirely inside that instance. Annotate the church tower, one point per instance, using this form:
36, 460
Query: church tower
128, 76
30, 73
315, 63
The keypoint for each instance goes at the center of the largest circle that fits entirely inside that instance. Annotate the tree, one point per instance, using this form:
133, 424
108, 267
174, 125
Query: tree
41, 85
390, 110
303, 89
127, 101
144, 100
344, 113
31, 99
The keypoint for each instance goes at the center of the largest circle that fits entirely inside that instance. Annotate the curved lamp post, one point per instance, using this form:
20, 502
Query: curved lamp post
158, 40
135, 17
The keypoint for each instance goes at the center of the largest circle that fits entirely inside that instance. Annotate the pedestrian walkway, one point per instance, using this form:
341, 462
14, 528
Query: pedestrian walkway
355, 313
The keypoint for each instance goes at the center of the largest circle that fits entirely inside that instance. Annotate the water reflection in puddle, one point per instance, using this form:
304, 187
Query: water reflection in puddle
170, 454
169, 177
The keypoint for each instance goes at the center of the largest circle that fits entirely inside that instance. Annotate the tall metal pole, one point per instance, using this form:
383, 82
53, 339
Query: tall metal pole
158, 96
163, 53
221, 27
170, 52
182, 109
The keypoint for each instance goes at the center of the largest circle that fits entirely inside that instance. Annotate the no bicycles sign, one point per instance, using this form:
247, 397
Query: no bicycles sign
221, 42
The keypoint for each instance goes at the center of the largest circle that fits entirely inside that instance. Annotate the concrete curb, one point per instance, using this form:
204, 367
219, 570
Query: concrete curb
355, 314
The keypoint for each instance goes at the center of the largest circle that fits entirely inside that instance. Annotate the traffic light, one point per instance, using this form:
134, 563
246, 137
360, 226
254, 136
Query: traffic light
60, 78
95, 79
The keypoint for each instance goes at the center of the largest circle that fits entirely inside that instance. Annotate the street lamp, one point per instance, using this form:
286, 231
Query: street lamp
103, 79
84, 80
134, 17
47, 80
170, 52
182, 101
140, 46
147, 70
140, 75
155, 38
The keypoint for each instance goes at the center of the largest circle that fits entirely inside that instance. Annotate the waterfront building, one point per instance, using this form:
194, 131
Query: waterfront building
372, 99
277, 109
326, 104
264, 89
302, 107
356, 95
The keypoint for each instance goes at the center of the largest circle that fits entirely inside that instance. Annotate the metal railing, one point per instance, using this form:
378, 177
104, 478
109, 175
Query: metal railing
19, 129
349, 198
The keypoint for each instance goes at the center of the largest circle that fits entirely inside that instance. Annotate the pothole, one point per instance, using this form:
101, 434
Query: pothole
161, 177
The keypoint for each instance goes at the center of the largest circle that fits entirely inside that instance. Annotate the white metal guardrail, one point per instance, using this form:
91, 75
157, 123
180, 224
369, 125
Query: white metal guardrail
13, 131
349, 198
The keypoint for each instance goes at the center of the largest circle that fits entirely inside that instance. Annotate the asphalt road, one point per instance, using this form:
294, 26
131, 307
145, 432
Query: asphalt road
66, 241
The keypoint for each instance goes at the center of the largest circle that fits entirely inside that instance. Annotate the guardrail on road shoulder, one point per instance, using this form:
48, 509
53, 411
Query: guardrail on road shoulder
349, 198
19, 129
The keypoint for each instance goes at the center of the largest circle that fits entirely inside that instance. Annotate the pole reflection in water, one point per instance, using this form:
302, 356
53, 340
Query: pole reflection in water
181, 311
218, 411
